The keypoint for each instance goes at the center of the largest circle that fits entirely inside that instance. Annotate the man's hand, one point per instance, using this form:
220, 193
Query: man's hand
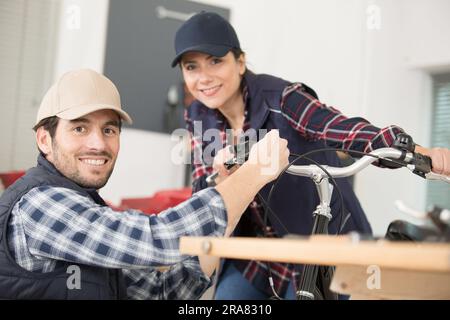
221, 157
270, 155
266, 160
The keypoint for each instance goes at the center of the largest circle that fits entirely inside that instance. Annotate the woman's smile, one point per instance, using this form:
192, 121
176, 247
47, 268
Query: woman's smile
210, 91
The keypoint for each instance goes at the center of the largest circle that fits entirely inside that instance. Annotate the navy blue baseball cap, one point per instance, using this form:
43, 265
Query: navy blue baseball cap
205, 32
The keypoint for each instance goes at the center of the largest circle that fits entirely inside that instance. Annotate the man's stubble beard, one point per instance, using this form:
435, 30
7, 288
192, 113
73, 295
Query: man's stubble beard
60, 161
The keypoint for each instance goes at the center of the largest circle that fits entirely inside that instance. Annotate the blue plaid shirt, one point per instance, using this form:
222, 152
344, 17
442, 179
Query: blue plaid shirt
52, 224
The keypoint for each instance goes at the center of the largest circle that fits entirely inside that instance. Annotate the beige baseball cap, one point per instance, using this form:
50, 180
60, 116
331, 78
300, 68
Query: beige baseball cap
78, 93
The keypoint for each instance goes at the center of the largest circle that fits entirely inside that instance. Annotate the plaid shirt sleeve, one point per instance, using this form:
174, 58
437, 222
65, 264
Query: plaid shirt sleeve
62, 224
314, 120
182, 281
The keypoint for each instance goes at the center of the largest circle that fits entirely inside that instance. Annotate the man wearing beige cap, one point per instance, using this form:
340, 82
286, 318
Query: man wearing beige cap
59, 240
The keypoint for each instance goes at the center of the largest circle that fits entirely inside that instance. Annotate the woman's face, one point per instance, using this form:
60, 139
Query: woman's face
214, 81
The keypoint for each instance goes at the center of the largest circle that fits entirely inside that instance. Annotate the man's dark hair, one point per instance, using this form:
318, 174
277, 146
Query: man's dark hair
50, 124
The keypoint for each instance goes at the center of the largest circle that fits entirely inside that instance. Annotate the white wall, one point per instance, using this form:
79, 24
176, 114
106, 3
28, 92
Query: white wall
145, 165
316, 42
82, 35
413, 39
381, 75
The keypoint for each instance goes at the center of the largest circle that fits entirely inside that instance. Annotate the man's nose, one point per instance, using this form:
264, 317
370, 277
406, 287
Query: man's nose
96, 140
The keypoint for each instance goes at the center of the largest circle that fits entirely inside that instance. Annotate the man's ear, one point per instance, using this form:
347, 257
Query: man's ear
44, 140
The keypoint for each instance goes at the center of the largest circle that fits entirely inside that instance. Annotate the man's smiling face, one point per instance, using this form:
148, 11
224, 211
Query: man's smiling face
85, 149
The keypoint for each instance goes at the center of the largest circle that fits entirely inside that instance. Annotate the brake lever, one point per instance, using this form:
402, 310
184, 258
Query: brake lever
434, 176
419, 164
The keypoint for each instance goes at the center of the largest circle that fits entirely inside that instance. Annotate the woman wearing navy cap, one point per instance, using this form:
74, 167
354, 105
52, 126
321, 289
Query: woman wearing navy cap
230, 97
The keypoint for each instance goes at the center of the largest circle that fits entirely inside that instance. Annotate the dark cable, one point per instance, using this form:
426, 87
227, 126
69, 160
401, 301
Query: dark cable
267, 209
304, 156
272, 214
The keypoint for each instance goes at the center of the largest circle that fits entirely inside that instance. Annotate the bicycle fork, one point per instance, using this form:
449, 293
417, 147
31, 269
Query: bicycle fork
322, 217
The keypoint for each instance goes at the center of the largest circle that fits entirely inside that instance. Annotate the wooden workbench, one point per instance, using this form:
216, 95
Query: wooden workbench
365, 269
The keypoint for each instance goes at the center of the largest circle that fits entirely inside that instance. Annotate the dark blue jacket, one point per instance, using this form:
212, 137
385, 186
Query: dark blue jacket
18, 283
295, 197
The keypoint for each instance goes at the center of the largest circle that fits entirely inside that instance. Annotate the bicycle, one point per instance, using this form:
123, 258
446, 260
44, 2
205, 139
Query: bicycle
315, 280
402, 155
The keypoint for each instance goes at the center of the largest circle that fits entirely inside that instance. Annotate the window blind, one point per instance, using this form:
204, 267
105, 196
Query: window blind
438, 193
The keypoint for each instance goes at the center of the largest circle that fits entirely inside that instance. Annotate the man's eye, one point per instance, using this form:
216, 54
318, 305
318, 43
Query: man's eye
216, 61
79, 129
189, 67
109, 131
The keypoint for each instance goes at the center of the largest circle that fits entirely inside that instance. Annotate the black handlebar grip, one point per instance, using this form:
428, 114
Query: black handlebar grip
422, 164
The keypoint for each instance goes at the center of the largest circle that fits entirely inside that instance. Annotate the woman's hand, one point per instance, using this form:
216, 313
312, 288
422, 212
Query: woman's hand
440, 159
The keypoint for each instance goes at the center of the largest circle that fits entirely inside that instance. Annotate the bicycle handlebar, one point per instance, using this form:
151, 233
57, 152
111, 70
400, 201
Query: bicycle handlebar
415, 162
